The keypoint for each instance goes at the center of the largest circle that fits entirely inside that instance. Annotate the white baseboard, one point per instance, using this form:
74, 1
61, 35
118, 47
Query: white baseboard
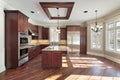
112, 59
96, 54
2, 68
105, 56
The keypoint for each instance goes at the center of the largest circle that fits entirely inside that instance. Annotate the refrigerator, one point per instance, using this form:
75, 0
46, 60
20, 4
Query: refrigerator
73, 41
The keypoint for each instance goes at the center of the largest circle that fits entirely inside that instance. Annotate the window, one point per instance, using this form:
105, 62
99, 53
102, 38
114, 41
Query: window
54, 36
96, 40
113, 36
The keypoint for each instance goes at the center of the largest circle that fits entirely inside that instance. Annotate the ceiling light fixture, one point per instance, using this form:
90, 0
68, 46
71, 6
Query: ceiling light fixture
32, 11
96, 28
58, 26
85, 11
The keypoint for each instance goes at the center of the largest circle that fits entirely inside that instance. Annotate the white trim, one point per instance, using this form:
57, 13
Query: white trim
96, 54
2, 68
105, 56
113, 59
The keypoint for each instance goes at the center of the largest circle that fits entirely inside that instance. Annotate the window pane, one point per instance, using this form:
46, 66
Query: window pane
111, 39
118, 40
110, 26
96, 39
118, 24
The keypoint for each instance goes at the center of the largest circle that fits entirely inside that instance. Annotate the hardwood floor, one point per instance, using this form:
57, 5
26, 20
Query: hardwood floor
74, 67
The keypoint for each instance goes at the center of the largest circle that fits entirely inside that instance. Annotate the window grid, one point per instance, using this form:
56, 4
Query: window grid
96, 40
113, 36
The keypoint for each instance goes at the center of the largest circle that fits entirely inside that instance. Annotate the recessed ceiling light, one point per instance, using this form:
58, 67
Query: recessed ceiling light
85, 11
32, 11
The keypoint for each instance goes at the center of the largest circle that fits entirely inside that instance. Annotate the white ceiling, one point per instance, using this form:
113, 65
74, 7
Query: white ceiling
61, 12
104, 7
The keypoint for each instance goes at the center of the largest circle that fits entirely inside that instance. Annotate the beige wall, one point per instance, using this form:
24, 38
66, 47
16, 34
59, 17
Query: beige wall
114, 16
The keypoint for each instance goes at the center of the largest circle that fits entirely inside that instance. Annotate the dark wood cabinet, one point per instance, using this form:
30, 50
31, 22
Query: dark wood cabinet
63, 34
46, 59
45, 33
39, 32
44, 45
51, 59
34, 51
33, 31
22, 22
83, 40
13, 24
73, 28
56, 59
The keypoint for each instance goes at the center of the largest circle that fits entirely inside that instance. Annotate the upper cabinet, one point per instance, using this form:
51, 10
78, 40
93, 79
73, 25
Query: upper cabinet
73, 28
63, 34
45, 33
22, 22
33, 31
20, 19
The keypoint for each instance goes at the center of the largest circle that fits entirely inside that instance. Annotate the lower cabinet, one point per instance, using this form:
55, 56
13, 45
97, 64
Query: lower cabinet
34, 51
51, 59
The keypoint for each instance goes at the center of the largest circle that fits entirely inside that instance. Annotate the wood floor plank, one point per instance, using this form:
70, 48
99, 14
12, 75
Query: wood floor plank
74, 67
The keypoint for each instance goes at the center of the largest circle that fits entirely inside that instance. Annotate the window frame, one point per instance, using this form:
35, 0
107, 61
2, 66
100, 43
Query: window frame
101, 39
115, 28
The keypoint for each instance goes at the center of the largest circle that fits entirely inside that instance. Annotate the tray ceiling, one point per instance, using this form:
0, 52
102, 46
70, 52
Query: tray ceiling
77, 15
49, 9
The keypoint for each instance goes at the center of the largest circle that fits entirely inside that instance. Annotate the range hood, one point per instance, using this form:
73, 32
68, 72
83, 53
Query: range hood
32, 32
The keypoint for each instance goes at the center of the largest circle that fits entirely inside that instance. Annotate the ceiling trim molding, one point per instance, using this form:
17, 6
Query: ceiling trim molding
46, 5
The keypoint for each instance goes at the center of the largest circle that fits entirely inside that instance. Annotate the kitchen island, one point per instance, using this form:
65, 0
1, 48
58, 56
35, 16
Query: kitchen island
52, 56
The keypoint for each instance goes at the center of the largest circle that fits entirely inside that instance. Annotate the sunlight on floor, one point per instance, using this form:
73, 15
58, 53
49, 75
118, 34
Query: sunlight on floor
81, 63
64, 62
86, 62
54, 77
90, 77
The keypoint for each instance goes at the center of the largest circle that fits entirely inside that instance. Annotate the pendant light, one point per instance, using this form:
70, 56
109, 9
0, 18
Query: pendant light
58, 26
96, 28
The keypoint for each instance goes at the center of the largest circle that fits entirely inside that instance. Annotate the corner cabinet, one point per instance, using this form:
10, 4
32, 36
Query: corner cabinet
15, 22
51, 59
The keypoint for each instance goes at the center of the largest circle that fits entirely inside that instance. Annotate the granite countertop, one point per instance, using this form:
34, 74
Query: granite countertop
55, 48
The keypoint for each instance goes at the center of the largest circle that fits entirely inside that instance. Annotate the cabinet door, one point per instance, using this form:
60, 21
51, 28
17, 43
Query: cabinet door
25, 22
34, 51
37, 51
30, 51
63, 34
56, 59
45, 33
83, 40
22, 23
39, 32
46, 59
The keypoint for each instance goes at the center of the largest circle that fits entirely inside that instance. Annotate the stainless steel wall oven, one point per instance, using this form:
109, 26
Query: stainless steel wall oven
23, 48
